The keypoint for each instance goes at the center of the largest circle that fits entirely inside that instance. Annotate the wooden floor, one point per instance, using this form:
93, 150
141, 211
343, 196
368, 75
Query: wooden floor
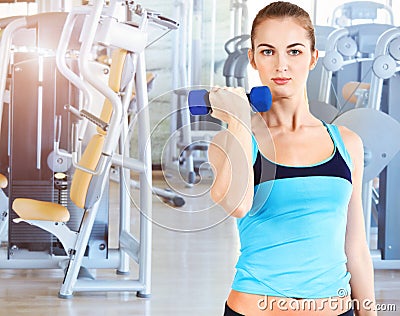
195, 249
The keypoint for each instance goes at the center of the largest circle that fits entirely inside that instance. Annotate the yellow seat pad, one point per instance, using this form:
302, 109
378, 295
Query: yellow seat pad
30, 209
3, 181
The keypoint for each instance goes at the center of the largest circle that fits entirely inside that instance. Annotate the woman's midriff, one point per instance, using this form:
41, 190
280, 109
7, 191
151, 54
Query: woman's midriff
254, 305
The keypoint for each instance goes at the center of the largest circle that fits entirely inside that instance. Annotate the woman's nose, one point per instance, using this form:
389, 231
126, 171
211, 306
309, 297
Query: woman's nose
281, 64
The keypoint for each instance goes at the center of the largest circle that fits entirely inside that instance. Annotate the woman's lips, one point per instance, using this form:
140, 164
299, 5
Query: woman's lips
281, 81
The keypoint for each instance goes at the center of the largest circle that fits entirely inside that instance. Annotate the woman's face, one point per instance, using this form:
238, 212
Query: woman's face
282, 56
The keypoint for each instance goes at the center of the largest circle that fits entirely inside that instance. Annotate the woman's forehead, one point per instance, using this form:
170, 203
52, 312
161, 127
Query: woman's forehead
281, 30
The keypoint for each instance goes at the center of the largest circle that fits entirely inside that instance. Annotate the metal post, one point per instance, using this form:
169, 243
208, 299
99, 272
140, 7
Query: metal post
144, 144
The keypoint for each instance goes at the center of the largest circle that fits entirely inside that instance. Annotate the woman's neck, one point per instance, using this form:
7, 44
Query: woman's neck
289, 113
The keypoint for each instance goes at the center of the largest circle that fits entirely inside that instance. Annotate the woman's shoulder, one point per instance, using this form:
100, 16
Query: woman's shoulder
352, 142
350, 138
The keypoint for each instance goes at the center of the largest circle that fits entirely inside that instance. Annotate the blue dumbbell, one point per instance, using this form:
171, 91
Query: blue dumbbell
260, 99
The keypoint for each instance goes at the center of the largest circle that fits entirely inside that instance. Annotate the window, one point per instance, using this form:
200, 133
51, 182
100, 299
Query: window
18, 8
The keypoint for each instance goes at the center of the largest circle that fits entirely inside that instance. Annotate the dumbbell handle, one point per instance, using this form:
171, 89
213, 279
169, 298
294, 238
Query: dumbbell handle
260, 99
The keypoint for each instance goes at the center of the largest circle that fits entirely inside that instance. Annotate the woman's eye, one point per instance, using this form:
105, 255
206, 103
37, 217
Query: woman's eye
267, 52
294, 52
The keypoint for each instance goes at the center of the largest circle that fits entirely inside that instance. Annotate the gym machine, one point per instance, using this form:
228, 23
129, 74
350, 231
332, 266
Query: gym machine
33, 169
90, 166
235, 66
353, 12
348, 57
384, 92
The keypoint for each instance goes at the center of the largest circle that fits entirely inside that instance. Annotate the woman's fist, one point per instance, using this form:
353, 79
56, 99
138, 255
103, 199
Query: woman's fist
229, 104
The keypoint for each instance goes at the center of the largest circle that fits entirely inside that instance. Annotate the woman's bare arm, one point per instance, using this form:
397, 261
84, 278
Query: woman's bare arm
230, 153
359, 262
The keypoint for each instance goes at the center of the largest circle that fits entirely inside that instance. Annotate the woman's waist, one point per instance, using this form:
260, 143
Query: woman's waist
304, 279
255, 304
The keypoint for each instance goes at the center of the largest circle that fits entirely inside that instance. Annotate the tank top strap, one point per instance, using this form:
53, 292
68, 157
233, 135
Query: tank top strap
338, 141
254, 148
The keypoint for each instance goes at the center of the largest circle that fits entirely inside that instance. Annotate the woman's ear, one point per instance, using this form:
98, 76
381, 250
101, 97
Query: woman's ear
250, 54
314, 59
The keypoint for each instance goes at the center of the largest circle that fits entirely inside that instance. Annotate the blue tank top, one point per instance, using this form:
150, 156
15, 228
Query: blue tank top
293, 238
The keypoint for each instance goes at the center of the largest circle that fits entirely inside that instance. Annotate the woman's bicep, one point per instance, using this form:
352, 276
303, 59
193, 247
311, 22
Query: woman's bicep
220, 164
355, 233
230, 157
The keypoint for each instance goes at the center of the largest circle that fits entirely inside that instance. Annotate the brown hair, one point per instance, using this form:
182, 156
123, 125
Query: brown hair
283, 9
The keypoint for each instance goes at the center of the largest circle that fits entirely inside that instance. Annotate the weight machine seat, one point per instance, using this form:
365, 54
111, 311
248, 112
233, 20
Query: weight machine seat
30, 209
3, 181
349, 90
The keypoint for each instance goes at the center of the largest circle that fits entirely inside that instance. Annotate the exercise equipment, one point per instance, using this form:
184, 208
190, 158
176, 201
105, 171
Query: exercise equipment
348, 57
361, 61
356, 93
87, 109
31, 172
378, 125
384, 95
260, 99
4, 146
91, 161
90, 178
355, 11
235, 65
344, 16
314, 77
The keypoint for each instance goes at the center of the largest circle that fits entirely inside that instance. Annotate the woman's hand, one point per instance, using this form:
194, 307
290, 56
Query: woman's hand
230, 104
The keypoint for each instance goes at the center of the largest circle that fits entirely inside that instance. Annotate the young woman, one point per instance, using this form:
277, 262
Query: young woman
293, 182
